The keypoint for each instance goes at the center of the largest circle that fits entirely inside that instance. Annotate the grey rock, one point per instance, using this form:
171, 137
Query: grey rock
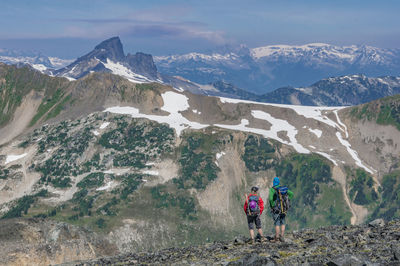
377, 223
396, 252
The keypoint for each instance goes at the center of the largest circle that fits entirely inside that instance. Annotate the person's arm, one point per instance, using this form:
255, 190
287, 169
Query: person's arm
271, 197
261, 202
245, 205
290, 193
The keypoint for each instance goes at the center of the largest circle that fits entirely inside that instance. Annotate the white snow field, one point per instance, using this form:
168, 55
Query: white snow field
175, 103
118, 69
11, 158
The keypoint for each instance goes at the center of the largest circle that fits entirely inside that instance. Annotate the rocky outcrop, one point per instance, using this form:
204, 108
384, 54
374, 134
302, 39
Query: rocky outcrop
374, 244
43, 242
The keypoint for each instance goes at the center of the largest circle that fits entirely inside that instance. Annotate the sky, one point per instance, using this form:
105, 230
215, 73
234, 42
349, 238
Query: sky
69, 29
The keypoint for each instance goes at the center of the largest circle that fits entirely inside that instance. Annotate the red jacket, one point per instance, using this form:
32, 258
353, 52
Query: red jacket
260, 202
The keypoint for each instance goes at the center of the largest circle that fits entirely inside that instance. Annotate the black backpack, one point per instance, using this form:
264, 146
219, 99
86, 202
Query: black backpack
253, 206
282, 202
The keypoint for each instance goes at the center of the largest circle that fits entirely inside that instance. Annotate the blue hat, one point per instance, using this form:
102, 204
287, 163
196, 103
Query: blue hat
276, 181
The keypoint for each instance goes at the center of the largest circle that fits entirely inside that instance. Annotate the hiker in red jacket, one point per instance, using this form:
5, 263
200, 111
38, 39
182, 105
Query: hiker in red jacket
253, 207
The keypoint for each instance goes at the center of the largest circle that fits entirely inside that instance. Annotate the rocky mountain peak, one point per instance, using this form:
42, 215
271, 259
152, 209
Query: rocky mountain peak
142, 63
113, 47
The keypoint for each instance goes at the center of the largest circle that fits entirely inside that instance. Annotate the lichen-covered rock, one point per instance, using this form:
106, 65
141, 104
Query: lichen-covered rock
332, 245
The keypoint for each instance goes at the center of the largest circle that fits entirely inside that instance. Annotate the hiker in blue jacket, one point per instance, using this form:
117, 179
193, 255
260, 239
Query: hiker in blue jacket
279, 202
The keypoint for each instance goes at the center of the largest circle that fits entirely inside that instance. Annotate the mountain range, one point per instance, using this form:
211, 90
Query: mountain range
109, 56
112, 154
264, 69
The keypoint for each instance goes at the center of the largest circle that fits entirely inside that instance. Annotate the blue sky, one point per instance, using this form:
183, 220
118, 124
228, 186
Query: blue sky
72, 28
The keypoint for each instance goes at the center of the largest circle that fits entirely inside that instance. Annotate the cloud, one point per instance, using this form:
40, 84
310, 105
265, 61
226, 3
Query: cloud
100, 28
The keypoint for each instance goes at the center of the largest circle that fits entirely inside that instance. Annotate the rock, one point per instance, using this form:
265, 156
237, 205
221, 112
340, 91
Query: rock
239, 240
346, 260
396, 252
377, 223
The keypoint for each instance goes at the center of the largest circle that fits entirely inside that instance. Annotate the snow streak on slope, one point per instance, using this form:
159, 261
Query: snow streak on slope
313, 112
121, 70
280, 125
352, 152
174, 103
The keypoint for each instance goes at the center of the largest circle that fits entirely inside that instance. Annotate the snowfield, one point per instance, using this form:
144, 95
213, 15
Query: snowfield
118, 69
175, 103
11, 158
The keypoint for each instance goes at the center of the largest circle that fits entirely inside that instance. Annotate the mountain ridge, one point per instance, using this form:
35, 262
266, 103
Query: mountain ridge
116, 154
265, 68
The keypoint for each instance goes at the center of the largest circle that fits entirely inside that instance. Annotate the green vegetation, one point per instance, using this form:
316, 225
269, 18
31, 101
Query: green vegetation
47, 104
64, 163
384, 111
23, 204
197, 162
183, 200
137, 142
318, 199
259, 154
59, 107
4, 173
16, 83
361, 187
92, 180
389, 207
146, 86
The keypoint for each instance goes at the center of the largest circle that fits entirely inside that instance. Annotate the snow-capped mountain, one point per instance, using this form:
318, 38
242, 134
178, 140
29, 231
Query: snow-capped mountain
265, 68
36, 60
109, 56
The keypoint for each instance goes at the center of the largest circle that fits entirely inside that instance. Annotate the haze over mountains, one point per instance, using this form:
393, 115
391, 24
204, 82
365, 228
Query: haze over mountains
264, 69
239, 73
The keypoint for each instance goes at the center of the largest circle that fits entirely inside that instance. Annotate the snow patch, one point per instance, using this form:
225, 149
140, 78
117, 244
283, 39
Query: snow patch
173, 104
40, 67
123, 71
353, 153
277, 126
96, 133
104, 125
150, 172
11, 158
219, 155
313, 112
317, 132
105, 187
341, 124
329, 157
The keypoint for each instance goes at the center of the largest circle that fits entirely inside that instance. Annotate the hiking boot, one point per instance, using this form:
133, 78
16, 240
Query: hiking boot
263, 239
251, 241
274, 240
282, 239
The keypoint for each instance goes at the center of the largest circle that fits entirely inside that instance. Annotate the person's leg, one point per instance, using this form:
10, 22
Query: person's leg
282, 222
275, 217
258, 226
277, 231
250, 222
251, 233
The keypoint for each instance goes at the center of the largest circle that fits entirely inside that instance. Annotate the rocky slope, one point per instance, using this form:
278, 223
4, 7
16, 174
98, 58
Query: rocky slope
373, 244
111, 155
39, 242
338, 91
